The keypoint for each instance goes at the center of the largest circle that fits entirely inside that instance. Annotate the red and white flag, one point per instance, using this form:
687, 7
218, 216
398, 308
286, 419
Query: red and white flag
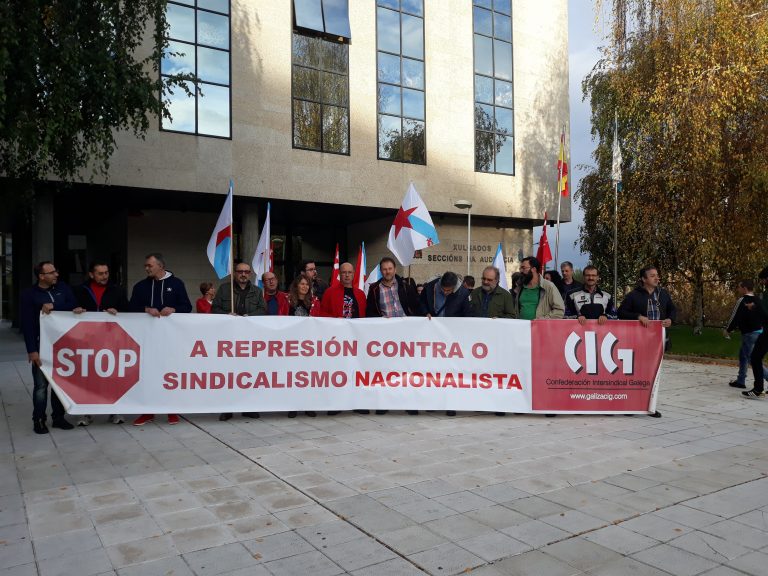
335, 273
360, 270
543, 254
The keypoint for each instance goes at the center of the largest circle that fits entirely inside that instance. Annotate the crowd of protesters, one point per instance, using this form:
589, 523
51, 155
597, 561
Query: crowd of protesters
534, 294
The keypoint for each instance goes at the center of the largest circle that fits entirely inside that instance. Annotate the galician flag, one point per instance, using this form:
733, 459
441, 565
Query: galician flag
374, 276
412, 229
543, 254
616, 167
262, 259
335, 272
498, 262
220, 244
359, 281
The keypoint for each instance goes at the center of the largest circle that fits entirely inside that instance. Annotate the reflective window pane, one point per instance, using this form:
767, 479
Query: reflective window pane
483, 55
333, 56
213, 110
505, 155
389, 99
388, 30
484, 117
413, 104
502, 27
335, 129
503, 93
306, 125
336, 13
483, 20
212, 30
306, 50
333, 88
413, 7
179, 58
413, 73
306, 83
390, 141
394, 4
504, 120
414, 142
309, 14
502, 59
483, 89
213, 65
181, 108
504, 6
217, 5
413, 37
187, 2
483, 3
389, 68
181, 22
484, 147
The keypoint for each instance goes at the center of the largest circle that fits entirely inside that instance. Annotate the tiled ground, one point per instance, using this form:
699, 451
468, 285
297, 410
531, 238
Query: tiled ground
393, 495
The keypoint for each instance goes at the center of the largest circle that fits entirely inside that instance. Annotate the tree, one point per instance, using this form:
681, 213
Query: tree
70, 76
689, 82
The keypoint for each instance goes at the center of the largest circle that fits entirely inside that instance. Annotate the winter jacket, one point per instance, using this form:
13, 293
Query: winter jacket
332, 305
591, 305
406, 291
457, 303
635, 304
282, 303
501, 303
550, 302
167, 292
253, 305
32, 300
743, 319
113, 297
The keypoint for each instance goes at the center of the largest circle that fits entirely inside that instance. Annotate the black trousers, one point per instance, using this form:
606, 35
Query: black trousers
756, 359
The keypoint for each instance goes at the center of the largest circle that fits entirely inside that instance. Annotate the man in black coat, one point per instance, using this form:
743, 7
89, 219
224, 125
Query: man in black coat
445, 297
649, 302
393, 296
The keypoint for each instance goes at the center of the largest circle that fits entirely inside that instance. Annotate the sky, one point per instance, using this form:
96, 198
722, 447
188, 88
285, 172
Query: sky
584, 38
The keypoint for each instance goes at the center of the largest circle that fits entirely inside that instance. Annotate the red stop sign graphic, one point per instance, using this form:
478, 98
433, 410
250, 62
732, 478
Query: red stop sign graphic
96, 362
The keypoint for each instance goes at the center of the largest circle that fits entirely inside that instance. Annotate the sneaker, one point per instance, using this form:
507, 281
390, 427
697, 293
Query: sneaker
173, 419
116, 419
251, 415
736, 384
85, 420
39, 426
362, 411
752, 394
224, 416
380, 412
143, 419
62, 424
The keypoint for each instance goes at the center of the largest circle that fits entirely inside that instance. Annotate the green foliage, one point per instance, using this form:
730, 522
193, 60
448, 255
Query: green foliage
689, 82
71, 73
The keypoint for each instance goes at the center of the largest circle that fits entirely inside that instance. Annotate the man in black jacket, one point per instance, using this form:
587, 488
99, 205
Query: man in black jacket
393, 296
98, 295
649, 302
761, 346
748, 321
445, 297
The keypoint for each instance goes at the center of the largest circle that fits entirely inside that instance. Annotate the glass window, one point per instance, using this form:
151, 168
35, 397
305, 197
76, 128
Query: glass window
401, 82
494, 95
320, 92
330, 17
309, 14
199, 46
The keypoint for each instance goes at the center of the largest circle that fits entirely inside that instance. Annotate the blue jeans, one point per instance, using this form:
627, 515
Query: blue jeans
40, 397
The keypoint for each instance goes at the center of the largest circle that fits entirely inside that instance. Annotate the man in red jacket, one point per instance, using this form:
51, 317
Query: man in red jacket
277, 302
344, 300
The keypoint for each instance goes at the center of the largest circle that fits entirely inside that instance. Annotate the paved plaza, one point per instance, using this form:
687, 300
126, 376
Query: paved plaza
391, 495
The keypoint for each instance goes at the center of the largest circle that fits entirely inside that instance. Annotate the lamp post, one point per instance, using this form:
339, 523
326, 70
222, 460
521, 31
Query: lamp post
466, 205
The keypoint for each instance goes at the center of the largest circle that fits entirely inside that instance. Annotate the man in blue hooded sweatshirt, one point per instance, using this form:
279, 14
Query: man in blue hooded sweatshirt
159, 294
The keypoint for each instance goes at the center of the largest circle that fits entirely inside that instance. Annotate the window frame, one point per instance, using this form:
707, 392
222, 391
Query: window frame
402, 117
194, 6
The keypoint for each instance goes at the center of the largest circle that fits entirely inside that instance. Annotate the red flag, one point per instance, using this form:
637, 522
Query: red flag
562, 169
271, 256
543, 254
359, 281
335, 273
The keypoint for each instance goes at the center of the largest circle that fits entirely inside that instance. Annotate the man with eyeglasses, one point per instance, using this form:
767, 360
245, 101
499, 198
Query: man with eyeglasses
318, 286
489, 300
535, 297
275, 301
249, 301
47, 295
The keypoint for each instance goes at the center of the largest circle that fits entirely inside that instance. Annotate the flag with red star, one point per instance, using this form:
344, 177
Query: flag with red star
412, 229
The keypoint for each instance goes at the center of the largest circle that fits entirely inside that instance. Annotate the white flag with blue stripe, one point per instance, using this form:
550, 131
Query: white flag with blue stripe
220, 244
412, 229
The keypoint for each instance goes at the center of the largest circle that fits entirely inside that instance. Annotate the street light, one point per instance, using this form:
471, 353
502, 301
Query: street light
466, 205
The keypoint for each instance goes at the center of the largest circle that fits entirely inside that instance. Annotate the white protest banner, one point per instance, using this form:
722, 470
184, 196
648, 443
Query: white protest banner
192, 363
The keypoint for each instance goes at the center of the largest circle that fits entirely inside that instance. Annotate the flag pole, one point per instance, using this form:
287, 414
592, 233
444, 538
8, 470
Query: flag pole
232, 250
615, 211
559, 195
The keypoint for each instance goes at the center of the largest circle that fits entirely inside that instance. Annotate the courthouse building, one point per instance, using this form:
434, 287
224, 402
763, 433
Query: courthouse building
327, 109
